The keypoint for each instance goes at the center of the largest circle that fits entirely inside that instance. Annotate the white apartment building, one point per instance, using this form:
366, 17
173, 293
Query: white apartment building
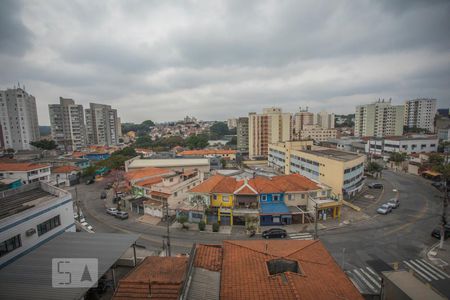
444, 134
317, 133
102, 125
420, 113
406, 144
379, 119
18, 119
67, 124
232, 123
26, 172
272, 126
324, 120
30, 216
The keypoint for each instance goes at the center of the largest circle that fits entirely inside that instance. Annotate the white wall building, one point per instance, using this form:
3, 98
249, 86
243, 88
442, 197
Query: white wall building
406, 144
30, 216
102, 125
18, 119
379, 119
420, 113
444, 134
317, 133
324, 120
26, 172
67, 124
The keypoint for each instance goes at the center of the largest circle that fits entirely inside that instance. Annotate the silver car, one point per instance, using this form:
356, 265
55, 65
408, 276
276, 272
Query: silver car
384, 209
394, 203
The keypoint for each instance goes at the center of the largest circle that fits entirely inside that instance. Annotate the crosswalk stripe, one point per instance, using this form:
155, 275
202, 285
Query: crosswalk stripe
301, 236
375, 274
431, 275
435, 268
427, 267
376, 282
417, 271
366, 282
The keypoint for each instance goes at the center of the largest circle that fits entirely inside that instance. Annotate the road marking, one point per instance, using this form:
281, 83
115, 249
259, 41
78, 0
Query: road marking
375, 274
417, 271
425, 266
301, 236
435, 268
425, 271
358, 276
375, 281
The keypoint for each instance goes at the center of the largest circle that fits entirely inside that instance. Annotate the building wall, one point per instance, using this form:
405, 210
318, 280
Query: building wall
18, 119
222, 200
19, 223
318, 134
28, 177
102, 125
242, 134
444, 134
379, 119
420, 113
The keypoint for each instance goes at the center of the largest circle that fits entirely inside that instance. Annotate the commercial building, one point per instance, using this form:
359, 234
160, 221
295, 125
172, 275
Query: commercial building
272, 126
348, 143
342, 171
30, 216
18, 119
301, 119
242, 135
379, 119
67, 124
420, 113
317, 133
26, 172
406, 144
102, 125
324, 120
221, 153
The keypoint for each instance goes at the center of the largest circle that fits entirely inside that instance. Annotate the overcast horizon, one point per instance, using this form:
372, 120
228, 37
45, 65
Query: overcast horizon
163, 60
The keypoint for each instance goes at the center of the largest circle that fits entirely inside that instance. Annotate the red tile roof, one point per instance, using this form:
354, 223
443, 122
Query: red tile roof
160, 194
263, 185
145, 172
21, 166
149, 182
155, 278
208, 257
207, 152
245, 273
65, 169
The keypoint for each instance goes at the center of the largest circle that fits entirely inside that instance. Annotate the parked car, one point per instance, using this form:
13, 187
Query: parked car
375, 185
274, 233
384, 209
111, 211
103, 195
437, 232
394, 203
90, 181
122, 215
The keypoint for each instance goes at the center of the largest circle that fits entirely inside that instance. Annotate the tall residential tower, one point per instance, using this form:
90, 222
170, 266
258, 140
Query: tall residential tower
18, 119
420, 113
67, 124
102, 125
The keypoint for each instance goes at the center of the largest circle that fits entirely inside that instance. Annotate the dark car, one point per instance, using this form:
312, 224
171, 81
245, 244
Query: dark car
437, 232
90, 181
439, 185
274, 233
375, 186
121, 215
103, 195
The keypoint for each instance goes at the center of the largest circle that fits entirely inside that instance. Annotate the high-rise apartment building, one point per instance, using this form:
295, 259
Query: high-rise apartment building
324, 120
301, 119
232, 123
102, 125
242, 134
67, 124
18, 119
420, 113
272, 126
379, 119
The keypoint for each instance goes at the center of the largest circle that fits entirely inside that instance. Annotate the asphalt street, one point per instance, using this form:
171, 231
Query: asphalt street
402, 234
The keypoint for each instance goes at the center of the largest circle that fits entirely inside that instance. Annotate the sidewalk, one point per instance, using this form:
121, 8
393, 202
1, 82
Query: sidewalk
440, 257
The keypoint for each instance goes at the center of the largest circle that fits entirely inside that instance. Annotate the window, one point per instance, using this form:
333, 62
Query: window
263, 197
276, 197
215, 197
290, 197
48, 225
10, 244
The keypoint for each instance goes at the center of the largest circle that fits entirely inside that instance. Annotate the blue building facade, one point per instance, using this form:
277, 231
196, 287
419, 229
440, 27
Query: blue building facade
273, 210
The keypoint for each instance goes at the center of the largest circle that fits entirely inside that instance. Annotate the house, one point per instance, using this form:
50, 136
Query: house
244, 269
68, 175
154, 278
26, 172
10, 183
97, 156
176, 164
279, 200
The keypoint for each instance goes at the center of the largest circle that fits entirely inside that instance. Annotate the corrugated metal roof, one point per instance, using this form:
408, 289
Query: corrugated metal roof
30, 277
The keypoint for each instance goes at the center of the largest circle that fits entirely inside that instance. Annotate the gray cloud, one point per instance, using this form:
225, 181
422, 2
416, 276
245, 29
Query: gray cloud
216, 59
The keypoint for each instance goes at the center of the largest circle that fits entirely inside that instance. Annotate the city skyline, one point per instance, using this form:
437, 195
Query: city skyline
170, 60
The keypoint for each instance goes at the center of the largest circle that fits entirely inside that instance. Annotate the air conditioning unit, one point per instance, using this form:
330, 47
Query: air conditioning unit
30, 232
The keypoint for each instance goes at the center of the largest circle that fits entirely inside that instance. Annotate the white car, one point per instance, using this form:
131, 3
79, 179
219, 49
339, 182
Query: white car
90, 227
384, 209
111, 211
394, 203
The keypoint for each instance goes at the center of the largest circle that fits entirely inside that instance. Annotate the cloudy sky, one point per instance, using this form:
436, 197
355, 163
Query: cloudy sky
162, 60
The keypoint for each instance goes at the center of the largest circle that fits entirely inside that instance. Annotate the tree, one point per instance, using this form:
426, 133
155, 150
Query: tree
375, 168
89, 171
143, 142
44, 144
436, 160
398, 158
127, 151
233, 141
197, 141
182, 219
218, 130
444, 169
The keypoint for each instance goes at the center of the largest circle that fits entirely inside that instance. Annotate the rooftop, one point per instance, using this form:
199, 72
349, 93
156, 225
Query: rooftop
334, 154
21, 167
143, 173
65, 169
168, 163
15, 201
206, 152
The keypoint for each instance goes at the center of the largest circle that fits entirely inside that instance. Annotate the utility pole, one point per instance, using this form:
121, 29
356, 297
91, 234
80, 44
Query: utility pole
316, 235
168, 228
